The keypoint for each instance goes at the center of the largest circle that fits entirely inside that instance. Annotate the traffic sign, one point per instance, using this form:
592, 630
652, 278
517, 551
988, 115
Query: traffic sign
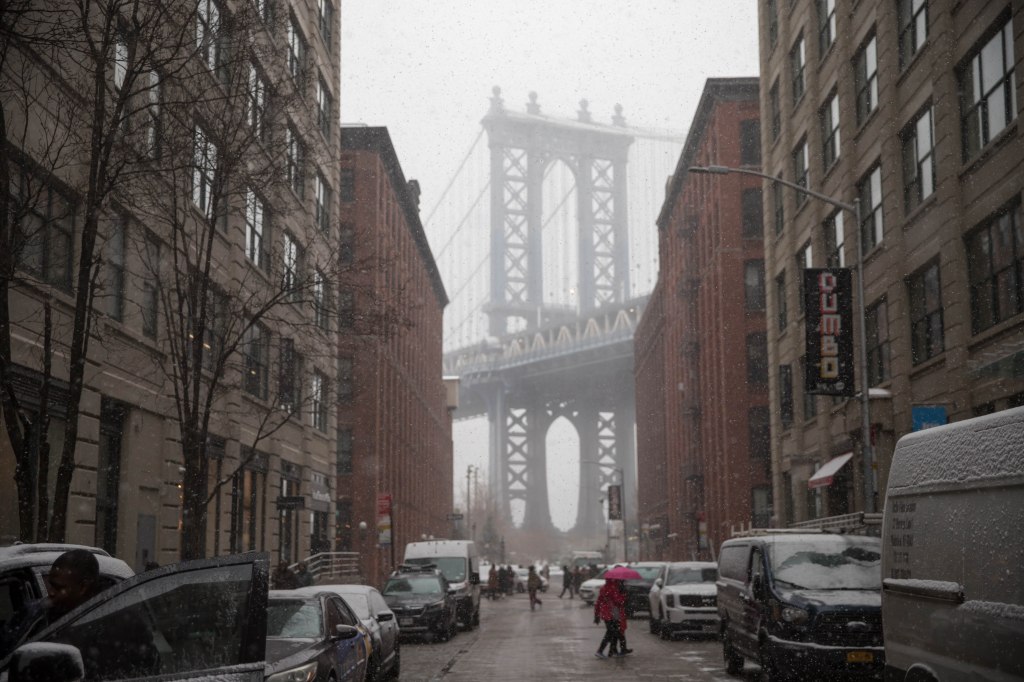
455, 517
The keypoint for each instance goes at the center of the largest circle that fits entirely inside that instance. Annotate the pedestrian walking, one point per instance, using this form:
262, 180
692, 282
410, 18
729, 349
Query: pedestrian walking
577, 579
533, 584
303, 578
567, 582
510, 580
610, 608
492, 583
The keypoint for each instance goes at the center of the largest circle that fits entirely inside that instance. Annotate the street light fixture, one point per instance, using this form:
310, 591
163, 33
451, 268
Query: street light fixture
862, 355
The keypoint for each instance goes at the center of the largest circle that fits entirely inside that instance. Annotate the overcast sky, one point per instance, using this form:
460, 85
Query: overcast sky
425, 69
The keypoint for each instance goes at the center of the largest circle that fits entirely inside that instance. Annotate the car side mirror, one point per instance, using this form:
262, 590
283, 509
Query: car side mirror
658, 583
384, 617
342, 631
46, 662
474, 578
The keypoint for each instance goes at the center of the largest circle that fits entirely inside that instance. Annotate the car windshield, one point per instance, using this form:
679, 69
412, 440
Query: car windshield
358, 603
647, 572
681, 576
294, 619
425, 585
453, 568
846, 563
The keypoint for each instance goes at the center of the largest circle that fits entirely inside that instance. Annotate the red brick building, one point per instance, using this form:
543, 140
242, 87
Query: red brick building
701, 355
394, 425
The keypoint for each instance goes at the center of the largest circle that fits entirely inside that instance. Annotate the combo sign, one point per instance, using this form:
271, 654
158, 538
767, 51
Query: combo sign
828, 306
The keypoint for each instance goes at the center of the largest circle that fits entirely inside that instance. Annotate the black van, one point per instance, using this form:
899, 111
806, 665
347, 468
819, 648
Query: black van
803, 605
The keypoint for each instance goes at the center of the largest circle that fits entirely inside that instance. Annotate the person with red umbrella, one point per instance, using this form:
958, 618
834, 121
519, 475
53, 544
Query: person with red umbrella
610, 607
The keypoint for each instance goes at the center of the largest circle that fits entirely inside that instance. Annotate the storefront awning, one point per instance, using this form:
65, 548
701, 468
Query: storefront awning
823, 476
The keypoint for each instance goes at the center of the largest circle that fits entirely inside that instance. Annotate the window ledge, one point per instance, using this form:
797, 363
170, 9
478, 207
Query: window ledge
920, 210
909, 66
988, 150
825, 55
928, 365
828, 171
984, 337
865, 123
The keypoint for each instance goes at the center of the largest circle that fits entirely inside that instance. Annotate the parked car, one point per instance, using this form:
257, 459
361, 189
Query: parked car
378, 620
953, 592
422, 601
314, 637
683, 599
803, 605
201, 620
638, 590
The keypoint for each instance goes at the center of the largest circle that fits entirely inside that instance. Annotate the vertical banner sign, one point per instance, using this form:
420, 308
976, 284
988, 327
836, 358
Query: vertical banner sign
615, 503
383, 519
828, 306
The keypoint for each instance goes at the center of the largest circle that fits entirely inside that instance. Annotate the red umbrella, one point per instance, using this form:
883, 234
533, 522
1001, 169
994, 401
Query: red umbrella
622, 573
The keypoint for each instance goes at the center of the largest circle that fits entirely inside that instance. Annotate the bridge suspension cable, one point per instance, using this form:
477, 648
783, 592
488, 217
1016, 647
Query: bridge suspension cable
455, 176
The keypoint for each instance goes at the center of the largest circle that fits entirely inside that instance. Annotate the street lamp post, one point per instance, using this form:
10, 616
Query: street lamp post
862, 355
622, 504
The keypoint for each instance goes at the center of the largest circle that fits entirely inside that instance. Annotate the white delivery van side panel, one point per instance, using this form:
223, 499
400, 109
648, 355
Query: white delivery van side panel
953, 537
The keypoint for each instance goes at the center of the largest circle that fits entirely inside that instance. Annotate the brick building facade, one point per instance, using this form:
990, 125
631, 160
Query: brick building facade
395, 435
701, 375
914, 108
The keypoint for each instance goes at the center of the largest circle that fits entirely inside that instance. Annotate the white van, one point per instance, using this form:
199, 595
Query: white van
953, 552
458, 561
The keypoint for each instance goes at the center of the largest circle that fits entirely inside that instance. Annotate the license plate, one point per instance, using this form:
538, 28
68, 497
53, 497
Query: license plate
859, 657
404, 621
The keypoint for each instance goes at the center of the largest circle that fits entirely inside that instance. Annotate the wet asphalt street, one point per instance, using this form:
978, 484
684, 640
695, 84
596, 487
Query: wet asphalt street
557, 642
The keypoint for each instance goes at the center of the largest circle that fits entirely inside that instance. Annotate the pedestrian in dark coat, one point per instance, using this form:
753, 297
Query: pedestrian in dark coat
610, 608
283, 578
567, 582
303, 578
533, 583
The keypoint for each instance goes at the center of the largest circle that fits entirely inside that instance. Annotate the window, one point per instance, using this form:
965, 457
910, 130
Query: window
829, 117
245, 509
154, 96
346, 309
773, 22
323, 203
108, 472
876, 326
759, 441
834, 240
321, 299
319, 401
289, 380
45, 226
204, 166
115, 250
918, 160
810, 400
325, 14
295, 162
753, 221
292, 255
804, 260
254, 233
865, 76
926, 314
346, 243
995, 261
344, 451
797, 63
750, 142
256, 348
207, 29
988, 97
256, 101
347, 184
870, 192
753, 284
786, 395
120, 62
826, 25
217, 316
296, 50
780, 300
801, 172
346, 383
761, 506
776, 112
757, 360
324, 105
151, 288
779, 206
913, 18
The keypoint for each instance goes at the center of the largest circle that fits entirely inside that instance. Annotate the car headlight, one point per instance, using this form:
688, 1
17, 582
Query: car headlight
305, 673
791, 614
436, 606
670, 600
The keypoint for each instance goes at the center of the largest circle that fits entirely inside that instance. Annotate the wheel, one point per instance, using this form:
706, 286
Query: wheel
396, 664
664, 630
373, 669
733, 658
768, 667
476, 617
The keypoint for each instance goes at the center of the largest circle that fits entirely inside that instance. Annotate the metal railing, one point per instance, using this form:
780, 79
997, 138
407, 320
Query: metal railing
333, 566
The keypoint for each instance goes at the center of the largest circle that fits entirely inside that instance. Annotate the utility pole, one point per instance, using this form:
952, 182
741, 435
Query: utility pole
469, 502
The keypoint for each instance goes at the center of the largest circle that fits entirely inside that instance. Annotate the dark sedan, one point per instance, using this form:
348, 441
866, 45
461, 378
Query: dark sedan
423, 604
638, 591
314, 637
